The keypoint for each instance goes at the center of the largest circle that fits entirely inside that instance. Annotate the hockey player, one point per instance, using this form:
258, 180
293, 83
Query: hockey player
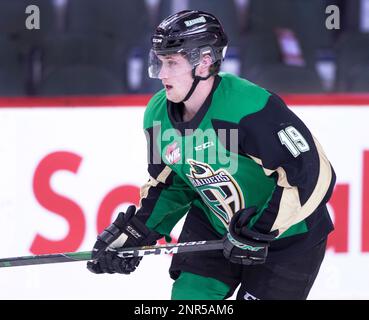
242, 166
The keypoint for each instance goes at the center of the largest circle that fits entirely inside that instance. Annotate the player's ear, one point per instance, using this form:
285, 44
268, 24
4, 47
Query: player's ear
205, 63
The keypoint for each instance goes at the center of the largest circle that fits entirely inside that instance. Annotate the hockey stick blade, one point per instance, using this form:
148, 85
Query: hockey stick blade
168, 248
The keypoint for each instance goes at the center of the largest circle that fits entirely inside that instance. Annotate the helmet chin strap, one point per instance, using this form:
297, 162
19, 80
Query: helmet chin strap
196, 80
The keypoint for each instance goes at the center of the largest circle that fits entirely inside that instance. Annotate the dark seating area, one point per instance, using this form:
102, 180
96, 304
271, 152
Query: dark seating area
101, 46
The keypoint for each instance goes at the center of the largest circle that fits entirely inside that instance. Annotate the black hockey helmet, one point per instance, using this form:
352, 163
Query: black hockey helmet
191, 33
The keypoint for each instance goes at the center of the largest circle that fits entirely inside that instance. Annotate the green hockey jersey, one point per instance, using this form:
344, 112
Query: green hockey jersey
243, 148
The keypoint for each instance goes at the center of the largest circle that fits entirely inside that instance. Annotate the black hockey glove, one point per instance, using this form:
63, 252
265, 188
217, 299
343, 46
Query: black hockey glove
243, 245
125, 231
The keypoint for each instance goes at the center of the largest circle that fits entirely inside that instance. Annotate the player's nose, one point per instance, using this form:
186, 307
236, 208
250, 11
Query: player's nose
163, 74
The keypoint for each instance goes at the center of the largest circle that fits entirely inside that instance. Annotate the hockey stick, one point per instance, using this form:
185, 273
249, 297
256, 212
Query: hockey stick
169, 248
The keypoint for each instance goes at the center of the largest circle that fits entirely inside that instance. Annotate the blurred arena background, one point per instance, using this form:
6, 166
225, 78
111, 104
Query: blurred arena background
72, 149
95, 47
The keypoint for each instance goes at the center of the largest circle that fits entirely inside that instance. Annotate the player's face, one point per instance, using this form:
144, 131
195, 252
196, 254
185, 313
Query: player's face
175, 74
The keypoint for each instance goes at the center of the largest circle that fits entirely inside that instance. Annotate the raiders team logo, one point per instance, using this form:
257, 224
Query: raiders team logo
218, 189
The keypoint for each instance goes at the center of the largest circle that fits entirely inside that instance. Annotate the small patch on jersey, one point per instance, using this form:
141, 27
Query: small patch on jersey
204, 145
173, 154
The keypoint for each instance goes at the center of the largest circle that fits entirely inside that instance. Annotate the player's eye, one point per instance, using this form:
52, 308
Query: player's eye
172, 63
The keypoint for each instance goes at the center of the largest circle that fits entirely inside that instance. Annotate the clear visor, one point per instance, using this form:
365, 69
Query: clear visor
176, 64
